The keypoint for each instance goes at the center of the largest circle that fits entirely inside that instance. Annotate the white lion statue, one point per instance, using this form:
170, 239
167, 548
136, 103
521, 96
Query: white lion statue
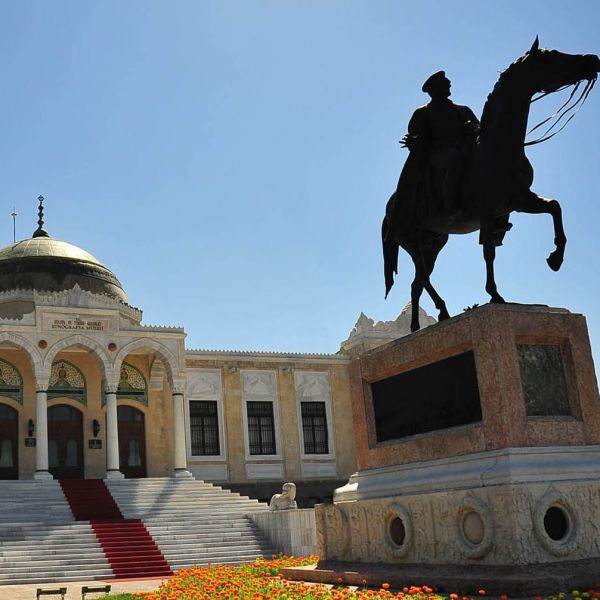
285, 500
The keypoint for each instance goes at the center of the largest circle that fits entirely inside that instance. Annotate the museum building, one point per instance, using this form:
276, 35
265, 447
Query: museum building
87, 391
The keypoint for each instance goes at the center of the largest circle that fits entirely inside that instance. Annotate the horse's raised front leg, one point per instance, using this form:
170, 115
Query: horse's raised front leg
533, 204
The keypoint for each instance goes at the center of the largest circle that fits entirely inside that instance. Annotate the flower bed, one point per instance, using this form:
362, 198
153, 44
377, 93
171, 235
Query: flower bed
261, 581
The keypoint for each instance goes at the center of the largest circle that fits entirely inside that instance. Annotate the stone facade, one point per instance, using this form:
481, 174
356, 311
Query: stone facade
96, 335
282, 379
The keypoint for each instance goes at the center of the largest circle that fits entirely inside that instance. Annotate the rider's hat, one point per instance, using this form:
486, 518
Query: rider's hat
432, 79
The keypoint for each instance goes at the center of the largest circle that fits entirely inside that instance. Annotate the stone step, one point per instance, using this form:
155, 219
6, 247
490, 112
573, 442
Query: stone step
44, 563
56, 575
192, 522
50, 548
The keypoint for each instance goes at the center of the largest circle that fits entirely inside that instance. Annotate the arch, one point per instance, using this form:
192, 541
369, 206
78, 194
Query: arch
170, 361
12, 403
79, 340
29, 348
143, 408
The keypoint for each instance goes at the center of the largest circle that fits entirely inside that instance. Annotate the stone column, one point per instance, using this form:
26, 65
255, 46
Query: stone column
112, 438
41, 445
179, 446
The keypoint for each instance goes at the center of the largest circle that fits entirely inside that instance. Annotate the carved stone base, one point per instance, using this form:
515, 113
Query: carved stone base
509, 507
43, 476
114, 475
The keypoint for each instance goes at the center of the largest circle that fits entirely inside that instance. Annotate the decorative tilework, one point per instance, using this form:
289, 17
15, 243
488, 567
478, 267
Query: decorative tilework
11, 383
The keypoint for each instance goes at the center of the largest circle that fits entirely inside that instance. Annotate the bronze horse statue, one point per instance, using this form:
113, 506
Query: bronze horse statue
496, 180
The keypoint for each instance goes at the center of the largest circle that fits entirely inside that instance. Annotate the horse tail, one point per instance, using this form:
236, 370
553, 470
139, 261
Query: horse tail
390, 256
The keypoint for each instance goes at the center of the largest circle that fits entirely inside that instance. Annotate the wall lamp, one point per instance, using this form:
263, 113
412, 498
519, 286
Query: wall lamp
95, 427
30, 428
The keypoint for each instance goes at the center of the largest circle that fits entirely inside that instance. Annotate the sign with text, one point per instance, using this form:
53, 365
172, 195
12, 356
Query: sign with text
75, 323
95, 444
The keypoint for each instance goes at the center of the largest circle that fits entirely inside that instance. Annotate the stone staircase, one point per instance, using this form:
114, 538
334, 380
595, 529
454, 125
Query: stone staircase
40, 540
192, 522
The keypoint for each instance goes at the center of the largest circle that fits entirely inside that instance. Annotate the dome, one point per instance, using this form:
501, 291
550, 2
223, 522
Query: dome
46, 264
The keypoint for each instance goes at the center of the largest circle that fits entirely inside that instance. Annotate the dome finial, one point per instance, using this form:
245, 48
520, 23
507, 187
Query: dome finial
40, 231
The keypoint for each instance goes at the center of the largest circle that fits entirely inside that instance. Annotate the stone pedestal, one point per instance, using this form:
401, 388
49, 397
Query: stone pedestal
477, 444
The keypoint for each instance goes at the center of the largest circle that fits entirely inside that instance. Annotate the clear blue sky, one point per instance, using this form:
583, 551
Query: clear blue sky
231, 161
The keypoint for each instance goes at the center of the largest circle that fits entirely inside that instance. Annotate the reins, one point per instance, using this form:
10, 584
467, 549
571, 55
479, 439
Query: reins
564, 108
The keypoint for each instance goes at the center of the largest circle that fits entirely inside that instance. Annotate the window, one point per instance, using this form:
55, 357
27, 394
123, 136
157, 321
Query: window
204, 425
314, 428
261, 428
314, 405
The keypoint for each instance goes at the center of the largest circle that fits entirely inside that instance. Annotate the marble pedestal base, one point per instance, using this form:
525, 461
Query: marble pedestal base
518, 506
497, 466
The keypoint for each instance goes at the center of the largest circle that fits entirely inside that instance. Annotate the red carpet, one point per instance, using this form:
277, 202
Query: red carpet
130, 549
126, 543
89, 499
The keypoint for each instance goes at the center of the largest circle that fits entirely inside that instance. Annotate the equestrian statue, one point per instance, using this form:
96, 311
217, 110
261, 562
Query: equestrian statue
462, 175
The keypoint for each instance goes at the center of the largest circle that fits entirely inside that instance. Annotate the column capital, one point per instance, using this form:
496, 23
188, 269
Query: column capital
178, 386
42, 382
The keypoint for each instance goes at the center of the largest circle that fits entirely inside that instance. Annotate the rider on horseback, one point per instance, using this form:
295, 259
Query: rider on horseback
441, 136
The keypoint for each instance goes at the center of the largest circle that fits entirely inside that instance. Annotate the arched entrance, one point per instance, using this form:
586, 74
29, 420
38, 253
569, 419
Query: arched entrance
9, 442
65, 442
132, 442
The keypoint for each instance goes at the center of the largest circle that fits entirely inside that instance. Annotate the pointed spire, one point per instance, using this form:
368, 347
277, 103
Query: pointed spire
40, 231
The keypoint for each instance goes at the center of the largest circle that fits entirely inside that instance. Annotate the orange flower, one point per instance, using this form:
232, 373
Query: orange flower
385, 586
481, 592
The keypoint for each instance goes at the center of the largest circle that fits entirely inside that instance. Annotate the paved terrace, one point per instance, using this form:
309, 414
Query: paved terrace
27, 591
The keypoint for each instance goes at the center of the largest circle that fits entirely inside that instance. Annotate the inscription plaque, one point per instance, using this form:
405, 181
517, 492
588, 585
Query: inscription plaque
437, 396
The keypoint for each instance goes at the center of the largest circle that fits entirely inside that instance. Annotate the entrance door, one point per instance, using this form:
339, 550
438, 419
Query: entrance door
132, 442
9, 442
65, 442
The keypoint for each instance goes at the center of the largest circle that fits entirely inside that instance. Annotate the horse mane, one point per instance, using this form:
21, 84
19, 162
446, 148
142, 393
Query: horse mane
505, 77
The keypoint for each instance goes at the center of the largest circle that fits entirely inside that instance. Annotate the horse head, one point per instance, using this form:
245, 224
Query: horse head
548, 70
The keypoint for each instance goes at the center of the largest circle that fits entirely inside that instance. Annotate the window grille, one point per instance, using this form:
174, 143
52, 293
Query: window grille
204, 425
261, 428
314, 428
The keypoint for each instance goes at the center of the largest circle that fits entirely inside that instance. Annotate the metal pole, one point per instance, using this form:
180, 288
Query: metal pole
13, 214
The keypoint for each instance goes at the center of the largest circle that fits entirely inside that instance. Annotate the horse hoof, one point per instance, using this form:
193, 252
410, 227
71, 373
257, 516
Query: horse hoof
414, 327
497, 299
443, 315
554, 261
